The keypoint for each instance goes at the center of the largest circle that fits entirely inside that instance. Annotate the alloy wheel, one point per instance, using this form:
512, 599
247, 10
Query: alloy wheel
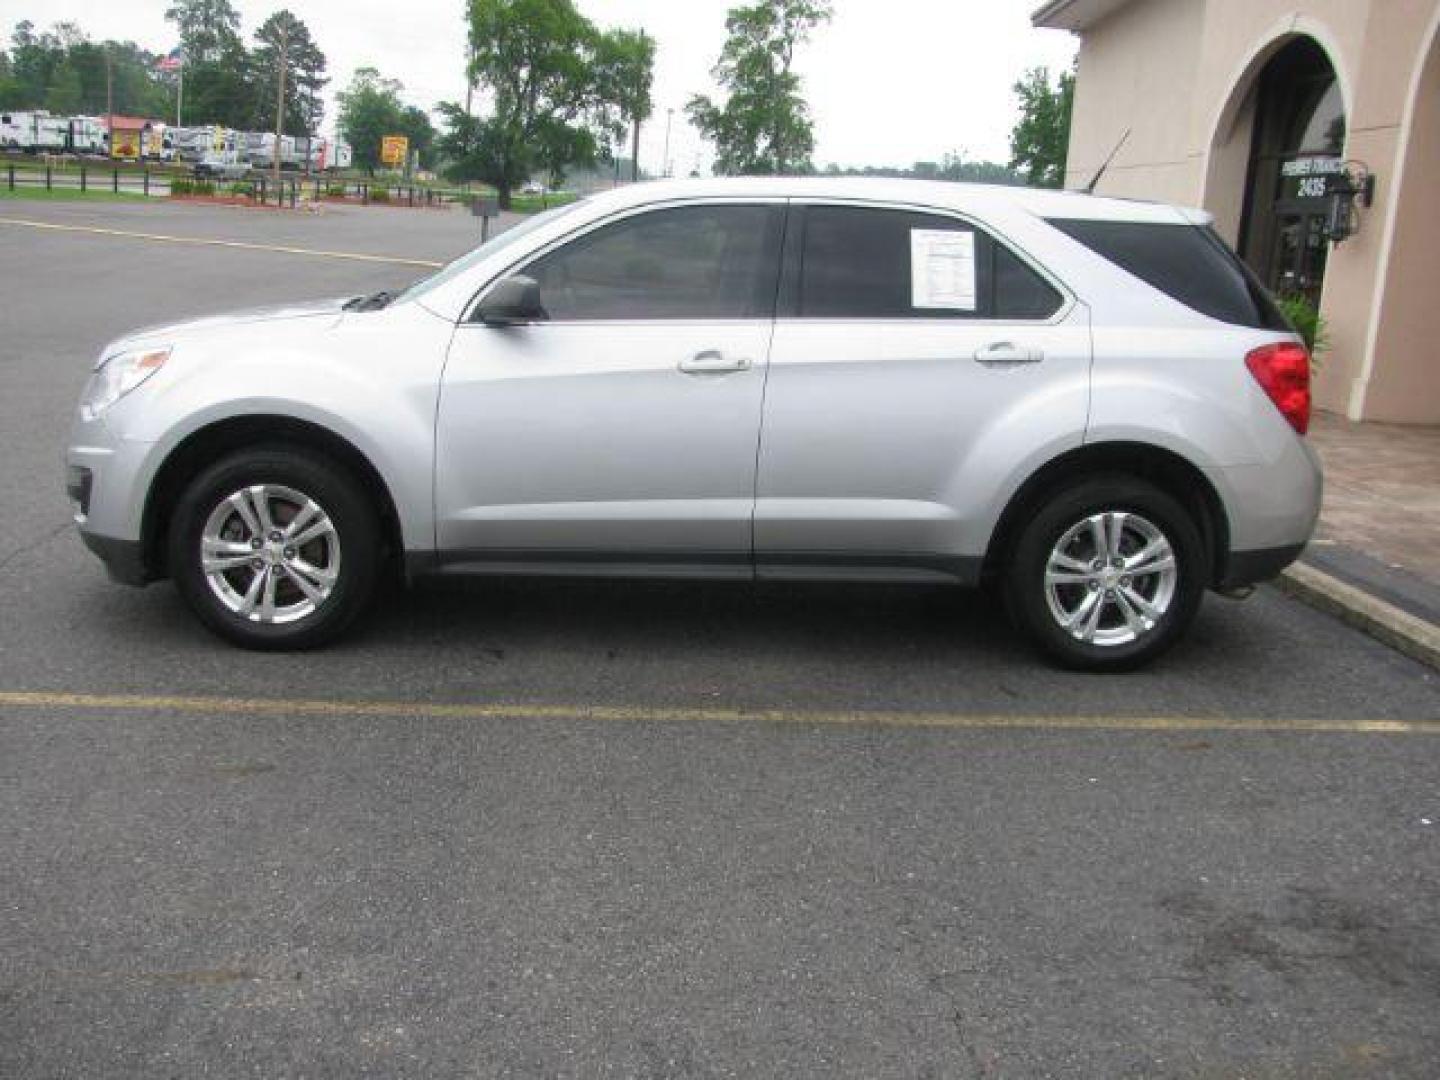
270, 554
1110, 578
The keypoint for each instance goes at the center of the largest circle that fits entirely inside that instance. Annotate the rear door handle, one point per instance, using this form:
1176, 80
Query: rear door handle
1007, 352
713, 362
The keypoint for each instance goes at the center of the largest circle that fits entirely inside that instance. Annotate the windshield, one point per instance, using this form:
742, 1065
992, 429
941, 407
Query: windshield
484, 251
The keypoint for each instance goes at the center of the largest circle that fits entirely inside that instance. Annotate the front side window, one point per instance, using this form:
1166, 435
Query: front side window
496, 243
692, 262
869, 263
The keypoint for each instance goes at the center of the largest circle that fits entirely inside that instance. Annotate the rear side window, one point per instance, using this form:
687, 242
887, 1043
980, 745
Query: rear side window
1021, 293
1188, 263
871, 263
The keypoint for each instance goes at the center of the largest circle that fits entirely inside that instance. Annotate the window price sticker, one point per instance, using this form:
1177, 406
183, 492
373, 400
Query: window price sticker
942, 269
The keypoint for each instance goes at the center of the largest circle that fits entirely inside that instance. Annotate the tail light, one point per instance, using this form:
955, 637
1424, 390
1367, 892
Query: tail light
1283, 372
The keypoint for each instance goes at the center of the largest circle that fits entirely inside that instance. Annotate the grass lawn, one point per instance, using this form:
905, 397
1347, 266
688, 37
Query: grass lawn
96, 168
39, 194
528, 204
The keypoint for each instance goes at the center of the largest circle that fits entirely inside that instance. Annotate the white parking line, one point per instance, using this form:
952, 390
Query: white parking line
209, 242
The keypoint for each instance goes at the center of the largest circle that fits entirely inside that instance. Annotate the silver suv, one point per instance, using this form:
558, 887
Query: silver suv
1088, 402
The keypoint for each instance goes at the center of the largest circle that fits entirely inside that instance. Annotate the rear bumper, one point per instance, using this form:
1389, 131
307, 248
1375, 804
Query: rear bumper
1261, 564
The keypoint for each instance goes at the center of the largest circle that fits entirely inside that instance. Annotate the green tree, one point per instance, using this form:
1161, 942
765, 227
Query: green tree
208, 28
625, 66
370, 109
64, 94
34, 58
415, 125
219, 83
553, 100
9, 86
64, 71
764, 124
952, 168
1041, 137
304, 74
138, 89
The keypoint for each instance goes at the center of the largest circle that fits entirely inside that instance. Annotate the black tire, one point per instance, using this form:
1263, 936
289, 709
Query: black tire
357, 537
1027, 595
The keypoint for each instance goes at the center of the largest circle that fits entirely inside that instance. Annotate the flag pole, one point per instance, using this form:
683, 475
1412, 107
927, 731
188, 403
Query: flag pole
179, 95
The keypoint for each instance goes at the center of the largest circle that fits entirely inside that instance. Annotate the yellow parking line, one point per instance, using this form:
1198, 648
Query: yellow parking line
428, 710
208, 242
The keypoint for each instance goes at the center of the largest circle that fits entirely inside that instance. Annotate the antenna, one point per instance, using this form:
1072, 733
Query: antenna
1089, 189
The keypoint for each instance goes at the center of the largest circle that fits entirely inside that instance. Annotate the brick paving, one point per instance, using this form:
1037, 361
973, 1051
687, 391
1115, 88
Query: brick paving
1382, 491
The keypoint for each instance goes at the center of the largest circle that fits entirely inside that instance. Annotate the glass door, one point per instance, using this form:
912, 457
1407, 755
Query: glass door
1297, 259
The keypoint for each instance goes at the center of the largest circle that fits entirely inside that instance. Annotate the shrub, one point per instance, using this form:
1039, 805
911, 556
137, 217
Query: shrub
1307, 321
243, 188
379, 194
335, 191
184, 186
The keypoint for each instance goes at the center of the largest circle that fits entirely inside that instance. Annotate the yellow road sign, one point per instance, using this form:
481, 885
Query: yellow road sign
394, 149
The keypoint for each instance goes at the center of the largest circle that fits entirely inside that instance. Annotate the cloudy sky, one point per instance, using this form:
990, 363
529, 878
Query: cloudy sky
888, 81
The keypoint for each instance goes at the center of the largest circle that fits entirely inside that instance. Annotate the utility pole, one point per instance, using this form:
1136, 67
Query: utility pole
109, 104
635, 133
665, 157
635, 152
280, 103
470, 80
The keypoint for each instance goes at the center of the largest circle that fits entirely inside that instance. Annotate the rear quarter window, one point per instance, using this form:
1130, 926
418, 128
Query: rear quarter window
1188, 263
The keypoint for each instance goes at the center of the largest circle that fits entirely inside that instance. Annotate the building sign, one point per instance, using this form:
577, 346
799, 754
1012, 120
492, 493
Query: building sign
126, 143
394, 149
1312, 177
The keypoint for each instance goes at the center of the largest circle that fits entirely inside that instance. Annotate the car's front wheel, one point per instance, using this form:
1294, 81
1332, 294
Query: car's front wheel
1107, 574
275, 548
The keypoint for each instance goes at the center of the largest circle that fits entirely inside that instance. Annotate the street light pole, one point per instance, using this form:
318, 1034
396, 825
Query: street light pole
109, 105
665, 157
280, 106
635, 131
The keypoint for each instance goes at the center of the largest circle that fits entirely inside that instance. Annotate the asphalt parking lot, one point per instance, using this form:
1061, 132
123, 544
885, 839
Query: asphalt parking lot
538, 829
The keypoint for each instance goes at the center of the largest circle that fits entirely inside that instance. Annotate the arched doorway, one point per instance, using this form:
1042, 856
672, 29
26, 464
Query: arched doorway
1296, 158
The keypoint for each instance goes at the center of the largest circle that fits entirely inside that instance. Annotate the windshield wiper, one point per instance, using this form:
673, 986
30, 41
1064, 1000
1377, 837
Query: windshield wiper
373, 302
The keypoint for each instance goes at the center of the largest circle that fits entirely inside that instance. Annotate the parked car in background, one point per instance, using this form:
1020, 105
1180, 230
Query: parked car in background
257, 149
191, 144
1088, 402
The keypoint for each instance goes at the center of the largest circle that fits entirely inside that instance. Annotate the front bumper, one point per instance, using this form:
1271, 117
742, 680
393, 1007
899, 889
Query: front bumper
124, 559
105, 480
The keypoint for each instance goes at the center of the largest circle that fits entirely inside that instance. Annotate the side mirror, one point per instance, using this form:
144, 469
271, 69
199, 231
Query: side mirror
512, 302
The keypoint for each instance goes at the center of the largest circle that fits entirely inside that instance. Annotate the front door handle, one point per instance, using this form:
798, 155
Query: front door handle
1007, 352
713, 362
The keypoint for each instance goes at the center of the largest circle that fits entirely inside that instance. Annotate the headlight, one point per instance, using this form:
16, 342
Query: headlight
117, 376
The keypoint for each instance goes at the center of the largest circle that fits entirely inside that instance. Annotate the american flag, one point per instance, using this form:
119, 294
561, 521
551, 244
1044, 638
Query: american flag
174, 60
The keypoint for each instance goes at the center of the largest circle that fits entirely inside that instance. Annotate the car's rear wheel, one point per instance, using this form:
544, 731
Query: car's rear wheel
1107, 574
275, 548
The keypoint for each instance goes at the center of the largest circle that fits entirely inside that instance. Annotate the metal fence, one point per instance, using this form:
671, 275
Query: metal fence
258, 188
54, 177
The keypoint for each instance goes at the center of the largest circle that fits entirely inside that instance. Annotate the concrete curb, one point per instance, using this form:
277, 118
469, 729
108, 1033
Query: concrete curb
1417, 638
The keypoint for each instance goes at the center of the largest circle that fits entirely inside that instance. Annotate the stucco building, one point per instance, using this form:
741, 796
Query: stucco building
1272, 114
